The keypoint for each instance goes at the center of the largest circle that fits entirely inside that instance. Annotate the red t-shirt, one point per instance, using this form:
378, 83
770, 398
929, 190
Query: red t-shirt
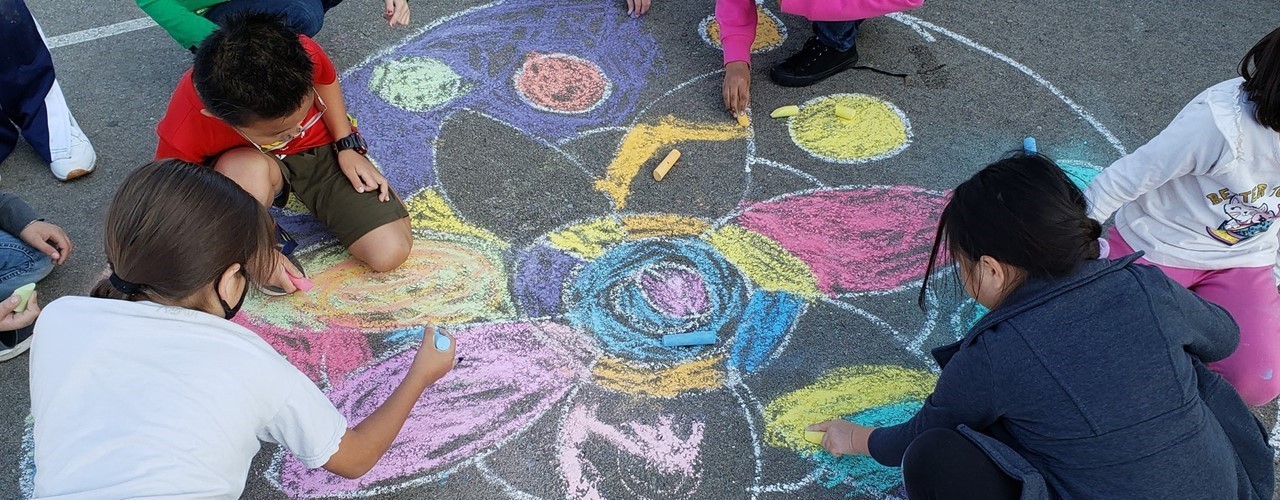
188, 135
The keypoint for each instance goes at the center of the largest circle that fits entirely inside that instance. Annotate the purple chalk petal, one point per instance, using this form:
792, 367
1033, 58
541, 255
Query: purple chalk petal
676, 291
541, 273
513, 374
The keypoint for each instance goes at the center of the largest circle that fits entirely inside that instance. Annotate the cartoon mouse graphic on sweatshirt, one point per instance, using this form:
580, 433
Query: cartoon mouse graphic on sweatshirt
1244, 221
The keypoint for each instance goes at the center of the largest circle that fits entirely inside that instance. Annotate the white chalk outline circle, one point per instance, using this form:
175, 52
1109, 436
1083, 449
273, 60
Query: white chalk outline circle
906, 126
705, 26
604, 96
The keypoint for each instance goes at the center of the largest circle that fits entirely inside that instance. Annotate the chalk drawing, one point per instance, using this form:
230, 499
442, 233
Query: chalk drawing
642, 449
416, 83
561, 83
770, 32
878, 129
561, 328
644, 141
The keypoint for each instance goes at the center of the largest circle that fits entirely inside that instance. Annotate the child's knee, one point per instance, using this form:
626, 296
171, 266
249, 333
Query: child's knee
386, 247
255, 172
1258, 389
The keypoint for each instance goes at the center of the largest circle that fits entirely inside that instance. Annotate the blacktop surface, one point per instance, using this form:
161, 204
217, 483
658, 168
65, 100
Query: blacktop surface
518, 210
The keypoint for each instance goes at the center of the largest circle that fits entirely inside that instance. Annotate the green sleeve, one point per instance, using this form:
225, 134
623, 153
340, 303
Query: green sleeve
185, 26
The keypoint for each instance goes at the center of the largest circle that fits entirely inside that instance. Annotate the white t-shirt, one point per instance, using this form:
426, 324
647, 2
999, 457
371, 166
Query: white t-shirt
1205, 193
136, 399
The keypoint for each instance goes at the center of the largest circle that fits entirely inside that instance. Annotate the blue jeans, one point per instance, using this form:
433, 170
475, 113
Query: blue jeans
839, 35
20, 264
302, 16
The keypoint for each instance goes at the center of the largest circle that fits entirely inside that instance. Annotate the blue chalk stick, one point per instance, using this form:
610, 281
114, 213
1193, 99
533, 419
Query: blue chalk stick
688, 339
1029, 145
442, 341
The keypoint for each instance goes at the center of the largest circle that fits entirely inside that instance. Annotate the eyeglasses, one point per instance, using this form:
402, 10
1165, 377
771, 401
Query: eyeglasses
302, 128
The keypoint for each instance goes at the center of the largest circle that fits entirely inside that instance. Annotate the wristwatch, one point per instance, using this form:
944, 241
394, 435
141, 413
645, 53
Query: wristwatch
354, 142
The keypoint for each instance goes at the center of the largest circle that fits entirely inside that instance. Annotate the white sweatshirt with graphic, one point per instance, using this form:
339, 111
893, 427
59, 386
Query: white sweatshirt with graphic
1203, 194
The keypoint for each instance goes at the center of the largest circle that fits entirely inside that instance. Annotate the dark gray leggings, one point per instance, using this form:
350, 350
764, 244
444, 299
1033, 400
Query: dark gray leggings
942, 464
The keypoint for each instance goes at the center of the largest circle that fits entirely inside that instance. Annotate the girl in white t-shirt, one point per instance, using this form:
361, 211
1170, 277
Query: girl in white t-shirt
146, 389
1201, 200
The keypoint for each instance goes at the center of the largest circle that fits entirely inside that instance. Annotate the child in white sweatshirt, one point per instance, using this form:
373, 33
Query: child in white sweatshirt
1201, 201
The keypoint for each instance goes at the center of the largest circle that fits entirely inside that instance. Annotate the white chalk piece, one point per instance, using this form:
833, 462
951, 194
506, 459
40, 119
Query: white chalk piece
665, 166
24, 295
814, 437
785, 111
688, 339
844, 112
743, 119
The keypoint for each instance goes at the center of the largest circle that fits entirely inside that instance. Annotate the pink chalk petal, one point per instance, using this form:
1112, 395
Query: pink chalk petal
322, 355
512, 374
653, 456
857, 239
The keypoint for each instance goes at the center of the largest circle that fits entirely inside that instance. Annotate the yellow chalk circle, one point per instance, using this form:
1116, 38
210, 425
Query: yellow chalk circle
844, 112
24, 294
814, 437
743, 119
838, 393
880, 131
785, 111
665, 166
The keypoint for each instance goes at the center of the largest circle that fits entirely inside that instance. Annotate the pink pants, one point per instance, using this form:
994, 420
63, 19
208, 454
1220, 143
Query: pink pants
1249, 295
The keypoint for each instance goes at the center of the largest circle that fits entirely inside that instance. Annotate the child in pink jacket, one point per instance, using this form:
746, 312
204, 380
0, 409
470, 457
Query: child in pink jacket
831, 50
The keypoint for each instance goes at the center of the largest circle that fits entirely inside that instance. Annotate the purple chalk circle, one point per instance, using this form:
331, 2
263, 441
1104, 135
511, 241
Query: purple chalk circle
688, 339
674, 290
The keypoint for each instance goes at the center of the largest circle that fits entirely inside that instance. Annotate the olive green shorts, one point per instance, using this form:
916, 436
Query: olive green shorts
317, 181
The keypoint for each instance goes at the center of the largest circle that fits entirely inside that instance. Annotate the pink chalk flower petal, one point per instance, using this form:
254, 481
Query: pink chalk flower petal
322, 355
513, 373
653, 456
856, 239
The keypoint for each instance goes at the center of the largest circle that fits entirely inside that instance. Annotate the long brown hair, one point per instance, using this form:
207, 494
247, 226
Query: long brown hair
174, 227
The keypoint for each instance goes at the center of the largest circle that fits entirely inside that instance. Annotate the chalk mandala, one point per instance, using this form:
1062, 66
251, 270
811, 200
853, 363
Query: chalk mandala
561, 270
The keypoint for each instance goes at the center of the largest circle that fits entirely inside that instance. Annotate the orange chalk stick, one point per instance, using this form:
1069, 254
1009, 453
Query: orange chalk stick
665, 166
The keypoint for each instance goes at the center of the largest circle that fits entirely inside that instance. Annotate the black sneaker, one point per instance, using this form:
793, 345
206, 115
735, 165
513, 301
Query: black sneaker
814, 63
14, 343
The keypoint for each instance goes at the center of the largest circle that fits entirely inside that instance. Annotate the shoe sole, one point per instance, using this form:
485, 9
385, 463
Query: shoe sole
17, 350
787, 81
75, 174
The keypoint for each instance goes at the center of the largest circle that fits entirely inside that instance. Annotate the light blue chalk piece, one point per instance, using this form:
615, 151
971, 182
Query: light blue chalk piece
1029, 145
1268, 375
688, 339
442, 342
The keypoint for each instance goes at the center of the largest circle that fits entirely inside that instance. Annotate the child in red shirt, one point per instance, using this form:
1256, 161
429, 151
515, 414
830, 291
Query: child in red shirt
263, 107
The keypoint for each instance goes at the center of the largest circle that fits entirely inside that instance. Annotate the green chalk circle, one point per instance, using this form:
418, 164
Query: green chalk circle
416, 83
24, 295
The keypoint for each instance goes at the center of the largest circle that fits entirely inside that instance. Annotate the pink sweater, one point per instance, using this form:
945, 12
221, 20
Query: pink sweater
737, 18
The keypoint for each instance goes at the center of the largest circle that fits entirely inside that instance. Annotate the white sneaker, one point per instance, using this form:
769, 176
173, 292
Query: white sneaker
76, 161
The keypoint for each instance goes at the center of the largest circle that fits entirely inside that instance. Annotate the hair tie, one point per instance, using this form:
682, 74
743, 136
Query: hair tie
123, 286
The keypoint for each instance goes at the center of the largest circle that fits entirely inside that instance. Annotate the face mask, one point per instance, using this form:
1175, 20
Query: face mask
229, 311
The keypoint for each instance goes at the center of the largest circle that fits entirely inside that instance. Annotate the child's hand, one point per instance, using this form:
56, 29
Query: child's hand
737, 87
397, 13
844, 437
10, 321
362, 174
637, 7
280, 279
49, 239
430, 364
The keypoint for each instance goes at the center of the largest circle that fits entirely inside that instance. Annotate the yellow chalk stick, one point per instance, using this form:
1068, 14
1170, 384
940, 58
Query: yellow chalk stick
665, 166
24, 294
844, 112
785, 111
743, 119
814, 437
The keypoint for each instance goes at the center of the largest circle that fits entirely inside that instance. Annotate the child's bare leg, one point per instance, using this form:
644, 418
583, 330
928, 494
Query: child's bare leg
385, 247
254, 171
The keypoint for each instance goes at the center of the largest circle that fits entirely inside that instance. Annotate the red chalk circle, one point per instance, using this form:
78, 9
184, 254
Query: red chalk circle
561, 83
